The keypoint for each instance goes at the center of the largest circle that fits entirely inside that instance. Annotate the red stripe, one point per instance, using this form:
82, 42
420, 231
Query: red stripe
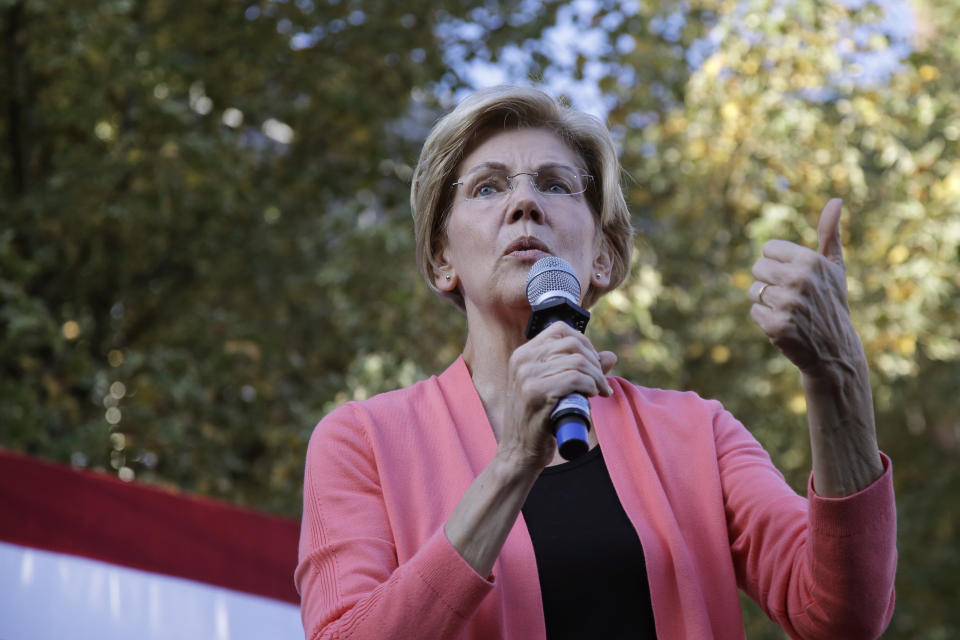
55, 507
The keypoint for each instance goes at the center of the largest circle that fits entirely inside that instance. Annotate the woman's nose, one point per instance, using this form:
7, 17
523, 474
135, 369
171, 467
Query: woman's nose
526, 201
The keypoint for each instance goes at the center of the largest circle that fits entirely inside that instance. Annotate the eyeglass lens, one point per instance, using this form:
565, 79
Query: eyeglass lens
553, 181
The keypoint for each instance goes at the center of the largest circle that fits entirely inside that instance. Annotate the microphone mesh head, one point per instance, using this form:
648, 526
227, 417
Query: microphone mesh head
553, 276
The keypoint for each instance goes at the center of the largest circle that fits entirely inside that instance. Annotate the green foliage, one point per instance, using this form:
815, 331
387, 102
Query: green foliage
205, 240
745, 155
204, 230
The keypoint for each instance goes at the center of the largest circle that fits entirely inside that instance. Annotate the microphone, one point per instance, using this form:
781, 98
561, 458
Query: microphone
554, 293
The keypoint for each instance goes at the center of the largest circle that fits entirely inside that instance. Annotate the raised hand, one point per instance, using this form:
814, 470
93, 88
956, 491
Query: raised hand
800, 302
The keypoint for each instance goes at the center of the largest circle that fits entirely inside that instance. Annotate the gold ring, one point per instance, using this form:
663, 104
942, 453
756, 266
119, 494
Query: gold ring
760, 295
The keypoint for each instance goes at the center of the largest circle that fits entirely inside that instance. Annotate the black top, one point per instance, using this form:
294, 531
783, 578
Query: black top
592, 574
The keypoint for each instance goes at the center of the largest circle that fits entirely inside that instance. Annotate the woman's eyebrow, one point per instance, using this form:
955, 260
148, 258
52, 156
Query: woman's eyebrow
499, 166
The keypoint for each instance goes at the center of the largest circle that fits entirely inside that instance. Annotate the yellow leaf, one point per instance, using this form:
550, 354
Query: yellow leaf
730, 111
742, 279
713, 65
798, 403
898, 254
696, 148
676, 124
70, 330
907, 345
928, 72
720, 353
838, 174
949, 187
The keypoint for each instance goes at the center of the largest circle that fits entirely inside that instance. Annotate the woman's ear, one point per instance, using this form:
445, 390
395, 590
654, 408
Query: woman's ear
602, 267
444, 275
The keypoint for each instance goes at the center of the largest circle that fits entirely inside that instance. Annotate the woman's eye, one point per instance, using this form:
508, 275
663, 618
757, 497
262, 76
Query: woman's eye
557, 187
487, 189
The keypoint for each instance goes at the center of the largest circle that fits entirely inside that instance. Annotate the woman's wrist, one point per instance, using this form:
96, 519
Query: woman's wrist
518, 464
483, 518
843, 436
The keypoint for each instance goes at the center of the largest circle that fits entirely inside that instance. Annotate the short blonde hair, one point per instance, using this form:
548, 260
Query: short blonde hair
506, 107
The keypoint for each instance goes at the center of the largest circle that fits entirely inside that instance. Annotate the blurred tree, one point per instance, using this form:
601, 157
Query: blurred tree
205, 231
785, 105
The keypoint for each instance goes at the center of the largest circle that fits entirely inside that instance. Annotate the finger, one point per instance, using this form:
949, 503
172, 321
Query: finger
783, 250
566, 341
561, 383
828, 231
559, 331
770, 321
563, 339
595, 363
584, 363
607, 360
552, 350
557, 336
589, 364
773, 272
760, 293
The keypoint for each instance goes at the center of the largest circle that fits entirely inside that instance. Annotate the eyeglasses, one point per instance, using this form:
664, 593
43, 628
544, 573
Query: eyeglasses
493, 183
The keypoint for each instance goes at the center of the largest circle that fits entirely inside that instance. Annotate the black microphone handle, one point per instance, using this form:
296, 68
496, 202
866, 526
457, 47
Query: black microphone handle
570, 419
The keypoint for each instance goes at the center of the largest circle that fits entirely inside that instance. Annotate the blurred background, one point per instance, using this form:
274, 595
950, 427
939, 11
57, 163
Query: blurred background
206, 244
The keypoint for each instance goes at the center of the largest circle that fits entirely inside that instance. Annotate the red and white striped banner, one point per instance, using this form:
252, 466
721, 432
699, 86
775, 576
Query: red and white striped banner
86, 555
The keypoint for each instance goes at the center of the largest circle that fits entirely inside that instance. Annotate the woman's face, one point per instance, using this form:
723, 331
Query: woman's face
491, 243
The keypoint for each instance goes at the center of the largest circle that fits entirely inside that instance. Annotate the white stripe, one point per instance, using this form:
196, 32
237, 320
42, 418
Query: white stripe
47, 595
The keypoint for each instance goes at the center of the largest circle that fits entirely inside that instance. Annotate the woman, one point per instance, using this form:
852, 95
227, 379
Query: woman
443, 510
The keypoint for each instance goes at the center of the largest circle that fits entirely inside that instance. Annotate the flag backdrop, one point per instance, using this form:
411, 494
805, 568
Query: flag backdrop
86, 555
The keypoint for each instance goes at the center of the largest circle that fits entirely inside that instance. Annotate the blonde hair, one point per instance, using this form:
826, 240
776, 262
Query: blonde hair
506, 107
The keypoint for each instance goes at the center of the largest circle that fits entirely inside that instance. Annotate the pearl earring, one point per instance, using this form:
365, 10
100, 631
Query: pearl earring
448, 277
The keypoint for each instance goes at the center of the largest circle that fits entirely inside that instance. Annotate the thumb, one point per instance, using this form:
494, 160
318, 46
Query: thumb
828, 231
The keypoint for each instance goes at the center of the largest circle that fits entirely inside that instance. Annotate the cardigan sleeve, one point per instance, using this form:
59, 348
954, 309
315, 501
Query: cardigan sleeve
350, 582
819, 567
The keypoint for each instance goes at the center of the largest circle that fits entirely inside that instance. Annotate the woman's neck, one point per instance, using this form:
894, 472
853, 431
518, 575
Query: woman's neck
487, 354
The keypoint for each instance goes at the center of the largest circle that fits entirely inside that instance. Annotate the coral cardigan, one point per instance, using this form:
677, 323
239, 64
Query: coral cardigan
712, 513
